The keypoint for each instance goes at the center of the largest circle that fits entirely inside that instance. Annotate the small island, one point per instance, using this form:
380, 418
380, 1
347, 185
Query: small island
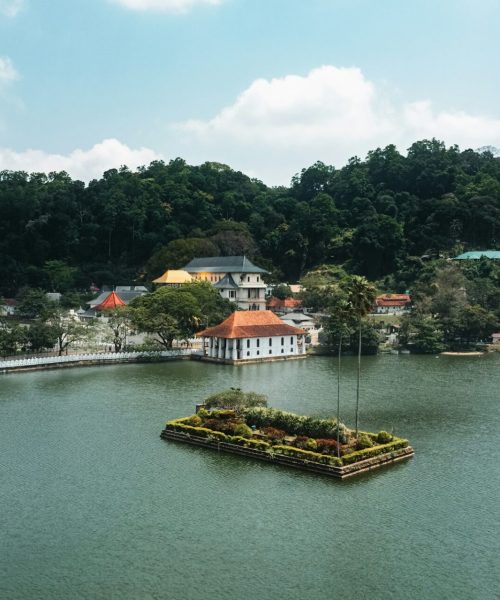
241, 423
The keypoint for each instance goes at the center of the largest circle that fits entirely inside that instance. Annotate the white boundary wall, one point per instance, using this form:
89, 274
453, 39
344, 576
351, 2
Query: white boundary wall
108, 357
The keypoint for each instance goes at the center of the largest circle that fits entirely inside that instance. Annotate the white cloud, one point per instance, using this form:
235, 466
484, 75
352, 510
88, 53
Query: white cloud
278, 126
164, 5
80, 164
7, 71
10, 8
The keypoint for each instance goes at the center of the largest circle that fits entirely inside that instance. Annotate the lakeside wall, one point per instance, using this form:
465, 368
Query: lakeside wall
92, 359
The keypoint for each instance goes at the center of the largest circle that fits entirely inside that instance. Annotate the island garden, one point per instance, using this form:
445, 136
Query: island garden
241, 423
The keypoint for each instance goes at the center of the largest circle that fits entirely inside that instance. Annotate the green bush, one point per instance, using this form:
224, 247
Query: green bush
197, 431
364, 441
242, 430
354, 457
384, 438
307, 455
295, 424
255, 444
235, 398
311, 444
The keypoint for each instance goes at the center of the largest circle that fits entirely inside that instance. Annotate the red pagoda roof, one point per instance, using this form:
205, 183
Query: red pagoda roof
250, 324
111, 301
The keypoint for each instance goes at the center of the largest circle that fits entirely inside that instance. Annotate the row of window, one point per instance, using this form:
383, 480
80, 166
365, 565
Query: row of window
270, 342
216, 278
270, 352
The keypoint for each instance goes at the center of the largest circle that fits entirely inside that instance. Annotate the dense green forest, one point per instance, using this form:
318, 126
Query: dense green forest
376, 217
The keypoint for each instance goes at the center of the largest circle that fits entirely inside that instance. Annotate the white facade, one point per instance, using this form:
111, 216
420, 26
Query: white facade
257, 348
248, 291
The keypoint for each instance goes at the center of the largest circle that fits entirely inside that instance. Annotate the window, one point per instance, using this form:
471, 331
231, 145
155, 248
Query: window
270, 341
248, 343
258, 352
270, 351
282, 350
291, 340
291, 349
282, 342
248, 353
258, 343
232, 294
258, 278
248, 278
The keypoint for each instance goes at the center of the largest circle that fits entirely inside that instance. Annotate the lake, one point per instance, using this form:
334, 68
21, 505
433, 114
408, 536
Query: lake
94, 505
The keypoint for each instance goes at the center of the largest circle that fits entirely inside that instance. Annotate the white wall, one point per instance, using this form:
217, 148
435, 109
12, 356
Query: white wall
252, 348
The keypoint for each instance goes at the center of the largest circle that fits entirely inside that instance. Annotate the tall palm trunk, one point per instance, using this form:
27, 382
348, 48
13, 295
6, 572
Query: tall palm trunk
338, 396
358, 380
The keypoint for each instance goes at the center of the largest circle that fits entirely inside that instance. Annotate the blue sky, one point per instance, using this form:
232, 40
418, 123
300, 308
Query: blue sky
266, 86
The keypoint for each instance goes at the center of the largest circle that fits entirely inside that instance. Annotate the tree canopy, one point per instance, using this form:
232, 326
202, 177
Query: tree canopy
375, 217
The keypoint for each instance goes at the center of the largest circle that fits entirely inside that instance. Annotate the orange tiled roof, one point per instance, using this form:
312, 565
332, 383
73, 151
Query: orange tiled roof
251, 323
274, 302
112, 301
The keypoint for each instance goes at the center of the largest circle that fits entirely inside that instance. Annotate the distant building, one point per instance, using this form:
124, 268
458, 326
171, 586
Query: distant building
283, 306
252, 336
477, 254
111, 302
495, 338
392, 303
235, 277
126, 293
8, 307
173, 278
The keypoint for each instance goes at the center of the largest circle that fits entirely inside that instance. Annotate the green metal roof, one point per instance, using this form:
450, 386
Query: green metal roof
477, 254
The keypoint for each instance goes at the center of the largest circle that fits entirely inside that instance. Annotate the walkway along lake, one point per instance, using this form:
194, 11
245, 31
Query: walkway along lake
95, 505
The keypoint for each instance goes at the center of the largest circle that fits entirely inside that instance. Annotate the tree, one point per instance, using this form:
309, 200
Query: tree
339, 324
118, 326
40, 336
235, 398
66, 329
11, 338
33, 303
421, 333
282, 291
361, 295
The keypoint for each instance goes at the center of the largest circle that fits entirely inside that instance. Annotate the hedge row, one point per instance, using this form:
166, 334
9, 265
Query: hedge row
324, 459
294, 424
204, 432
354, 457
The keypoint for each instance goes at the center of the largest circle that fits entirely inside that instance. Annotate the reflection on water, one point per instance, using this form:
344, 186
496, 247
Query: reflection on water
95, 505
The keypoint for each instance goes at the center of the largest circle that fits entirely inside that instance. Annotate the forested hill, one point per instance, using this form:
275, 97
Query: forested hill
376, 217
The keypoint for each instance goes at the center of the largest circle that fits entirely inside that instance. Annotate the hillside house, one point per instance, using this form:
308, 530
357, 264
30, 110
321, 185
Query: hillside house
235, 277
392, 304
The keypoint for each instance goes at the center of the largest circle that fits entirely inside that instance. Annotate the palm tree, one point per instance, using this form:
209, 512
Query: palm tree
340, 323
361, 294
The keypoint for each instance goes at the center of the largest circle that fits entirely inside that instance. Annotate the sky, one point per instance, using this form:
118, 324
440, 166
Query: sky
267, 87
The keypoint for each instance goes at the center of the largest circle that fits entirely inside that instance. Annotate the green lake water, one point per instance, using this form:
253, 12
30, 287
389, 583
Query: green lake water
94, 505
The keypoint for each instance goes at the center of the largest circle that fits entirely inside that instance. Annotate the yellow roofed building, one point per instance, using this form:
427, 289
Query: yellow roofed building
173, 278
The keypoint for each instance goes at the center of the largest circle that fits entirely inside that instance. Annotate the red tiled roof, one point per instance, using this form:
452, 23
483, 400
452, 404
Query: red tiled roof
110, 302
249, 324
392, 300
274, 302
